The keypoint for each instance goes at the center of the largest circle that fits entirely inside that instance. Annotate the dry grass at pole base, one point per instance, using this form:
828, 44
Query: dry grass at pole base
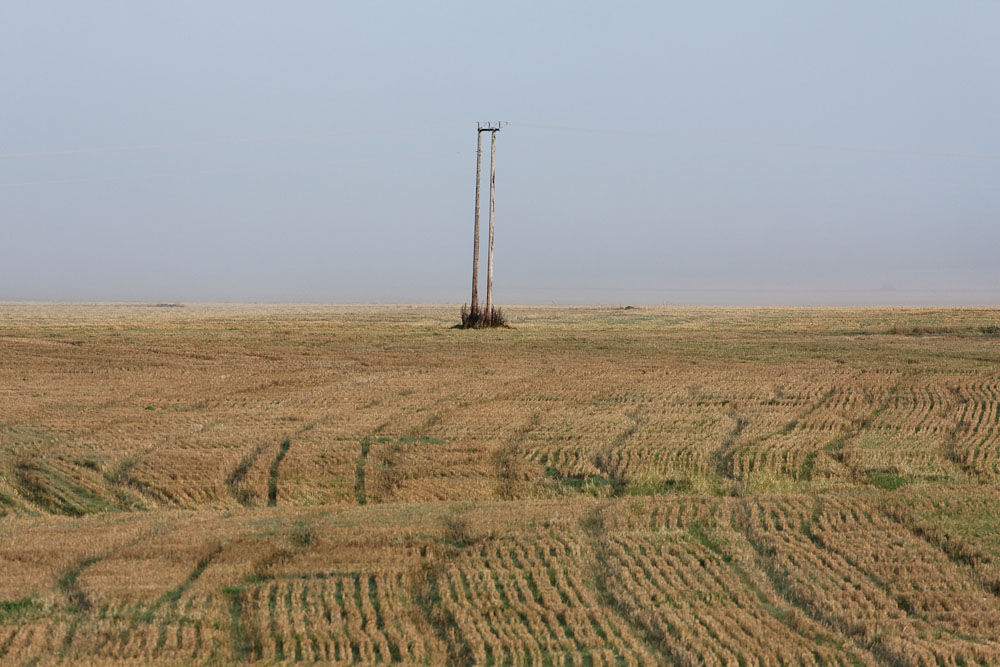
218, 484
476, 318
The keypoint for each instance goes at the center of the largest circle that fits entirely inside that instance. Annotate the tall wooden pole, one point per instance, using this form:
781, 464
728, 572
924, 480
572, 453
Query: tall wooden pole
489, 266
475, 243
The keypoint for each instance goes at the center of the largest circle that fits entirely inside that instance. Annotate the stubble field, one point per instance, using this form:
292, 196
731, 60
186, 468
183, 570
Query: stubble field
221, 484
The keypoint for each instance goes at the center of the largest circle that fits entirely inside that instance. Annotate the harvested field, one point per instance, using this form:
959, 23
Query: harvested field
362, 484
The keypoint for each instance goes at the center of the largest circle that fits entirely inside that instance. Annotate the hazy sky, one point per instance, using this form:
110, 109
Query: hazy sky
700, 152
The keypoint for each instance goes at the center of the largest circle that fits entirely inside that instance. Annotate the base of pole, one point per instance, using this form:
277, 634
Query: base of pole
478, 318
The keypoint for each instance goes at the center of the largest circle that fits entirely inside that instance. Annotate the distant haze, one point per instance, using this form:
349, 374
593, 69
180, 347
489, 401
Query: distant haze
724, 152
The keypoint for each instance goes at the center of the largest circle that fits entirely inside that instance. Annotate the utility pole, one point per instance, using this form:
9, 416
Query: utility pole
493, 190
475, 243
475, 315
492, 128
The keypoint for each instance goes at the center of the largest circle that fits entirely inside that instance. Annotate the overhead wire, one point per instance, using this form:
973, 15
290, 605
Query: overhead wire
758, 142
754, 290
767, 143
187, 172
225, 142
372, 131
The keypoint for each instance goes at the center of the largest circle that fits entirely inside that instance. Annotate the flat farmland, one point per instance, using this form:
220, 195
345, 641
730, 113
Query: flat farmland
365, 484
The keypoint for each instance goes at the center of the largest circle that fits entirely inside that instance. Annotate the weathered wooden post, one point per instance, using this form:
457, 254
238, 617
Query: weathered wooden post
489, 264
475, 243
476, 317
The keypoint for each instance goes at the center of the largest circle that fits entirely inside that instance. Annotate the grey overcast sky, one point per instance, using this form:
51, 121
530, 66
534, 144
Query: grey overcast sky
659, 152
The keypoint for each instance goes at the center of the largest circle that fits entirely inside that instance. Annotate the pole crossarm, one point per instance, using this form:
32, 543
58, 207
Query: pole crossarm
491, 126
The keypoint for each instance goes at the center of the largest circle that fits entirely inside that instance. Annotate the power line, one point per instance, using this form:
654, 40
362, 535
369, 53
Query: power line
225, 142
761, 143
538, 126
768, 143
155, 176
762, 290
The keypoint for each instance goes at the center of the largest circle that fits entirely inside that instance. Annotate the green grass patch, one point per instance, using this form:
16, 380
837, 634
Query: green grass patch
595, 485
172, 596
51, 492
359, 472
888, 481
67, 583
713, 542
423, 438
272, 473
246, 645
17, 612
302, 535
234, 481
